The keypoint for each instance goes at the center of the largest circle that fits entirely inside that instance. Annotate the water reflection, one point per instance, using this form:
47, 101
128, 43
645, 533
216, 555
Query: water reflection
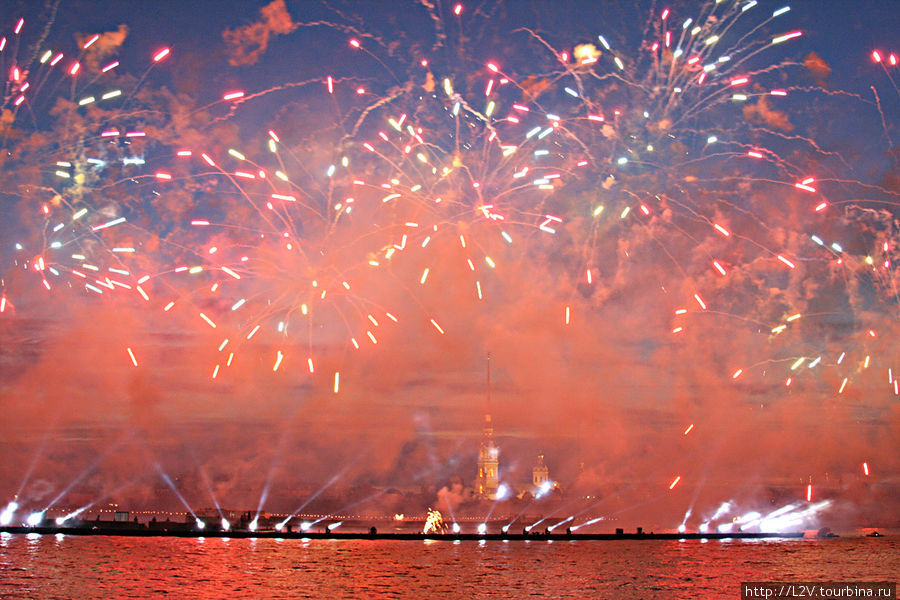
83, 568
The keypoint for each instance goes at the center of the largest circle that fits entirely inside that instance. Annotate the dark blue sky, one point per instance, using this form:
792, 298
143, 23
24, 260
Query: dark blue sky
838, 30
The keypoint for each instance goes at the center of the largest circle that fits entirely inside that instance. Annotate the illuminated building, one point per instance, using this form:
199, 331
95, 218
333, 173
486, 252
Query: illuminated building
488, 479
540, 474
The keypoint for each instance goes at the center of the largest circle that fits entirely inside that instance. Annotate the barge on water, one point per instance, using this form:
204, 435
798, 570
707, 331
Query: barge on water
373, 534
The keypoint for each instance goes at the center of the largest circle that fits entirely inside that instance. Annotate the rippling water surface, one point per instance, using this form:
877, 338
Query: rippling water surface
107, 567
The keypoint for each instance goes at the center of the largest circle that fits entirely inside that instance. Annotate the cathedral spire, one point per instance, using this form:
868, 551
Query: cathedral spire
489, 384
488, 479
488, 426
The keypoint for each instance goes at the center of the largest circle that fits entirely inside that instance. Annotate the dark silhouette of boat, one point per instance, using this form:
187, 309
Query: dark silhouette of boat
874, 534
140, 530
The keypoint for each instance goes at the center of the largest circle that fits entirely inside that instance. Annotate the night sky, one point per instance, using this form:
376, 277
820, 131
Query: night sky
399, 191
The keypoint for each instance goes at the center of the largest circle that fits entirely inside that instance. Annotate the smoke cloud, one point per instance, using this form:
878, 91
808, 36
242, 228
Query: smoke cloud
248, 43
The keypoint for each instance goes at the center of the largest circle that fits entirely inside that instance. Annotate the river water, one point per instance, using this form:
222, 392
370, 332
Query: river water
70, 567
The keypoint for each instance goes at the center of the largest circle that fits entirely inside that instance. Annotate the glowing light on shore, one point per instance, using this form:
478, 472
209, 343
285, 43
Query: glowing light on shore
6, 516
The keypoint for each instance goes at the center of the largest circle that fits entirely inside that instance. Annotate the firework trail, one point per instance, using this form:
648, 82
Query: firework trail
685, 145
74, 139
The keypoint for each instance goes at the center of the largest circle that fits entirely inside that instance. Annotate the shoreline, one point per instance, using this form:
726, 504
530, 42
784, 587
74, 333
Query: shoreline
368, 535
